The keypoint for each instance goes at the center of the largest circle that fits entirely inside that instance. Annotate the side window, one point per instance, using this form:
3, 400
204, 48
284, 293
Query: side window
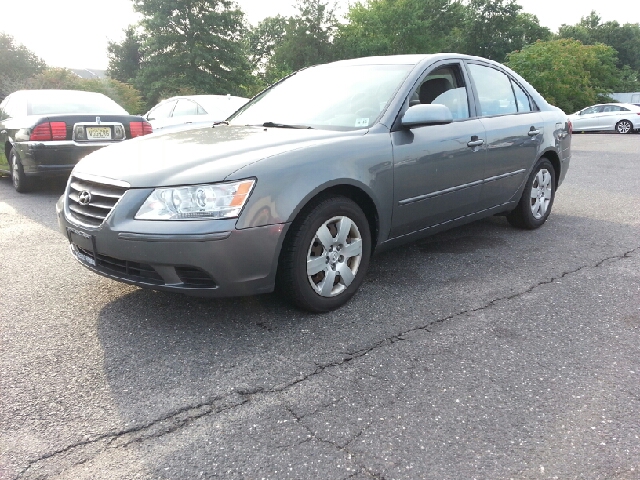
201, 111
624, 109
444, 86
185, 107
3, 108
522, 100
494, 90
589, 111
161, 111
611, 108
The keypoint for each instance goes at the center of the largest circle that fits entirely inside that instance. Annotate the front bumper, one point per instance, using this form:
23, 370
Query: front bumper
201, 258
40, 159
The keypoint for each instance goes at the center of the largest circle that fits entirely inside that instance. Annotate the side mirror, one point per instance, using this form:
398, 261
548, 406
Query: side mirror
429, 114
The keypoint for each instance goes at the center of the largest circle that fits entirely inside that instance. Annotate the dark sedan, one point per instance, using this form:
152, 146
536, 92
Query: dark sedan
46, 132
316, 173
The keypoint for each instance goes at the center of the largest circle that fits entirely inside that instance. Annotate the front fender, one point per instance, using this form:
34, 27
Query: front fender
287, 182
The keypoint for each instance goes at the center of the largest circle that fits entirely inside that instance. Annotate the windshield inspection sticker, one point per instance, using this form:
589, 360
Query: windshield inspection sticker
362, 122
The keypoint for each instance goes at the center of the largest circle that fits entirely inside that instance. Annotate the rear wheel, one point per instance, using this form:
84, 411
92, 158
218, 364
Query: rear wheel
326, 255
20, 181
624, 126
537, 199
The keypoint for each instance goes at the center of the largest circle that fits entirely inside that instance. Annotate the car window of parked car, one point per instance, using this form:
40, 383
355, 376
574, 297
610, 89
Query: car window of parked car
444, 86
14, 107
185, 107
333, 96
161, 111
494, 90
623, 109
522, 99
45, 102
611, 108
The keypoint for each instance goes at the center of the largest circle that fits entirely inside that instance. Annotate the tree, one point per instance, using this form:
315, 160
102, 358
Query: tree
388, 27
194, 46
263, 40
493, 28
567, 73
307, 40
124, 57
625, 39
17, 64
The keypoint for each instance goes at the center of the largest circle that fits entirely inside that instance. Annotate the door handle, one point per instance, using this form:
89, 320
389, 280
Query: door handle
533, 132
475, 142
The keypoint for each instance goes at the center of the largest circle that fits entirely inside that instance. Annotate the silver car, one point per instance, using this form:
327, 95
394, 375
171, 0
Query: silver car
316, 173
193, 110
613, 117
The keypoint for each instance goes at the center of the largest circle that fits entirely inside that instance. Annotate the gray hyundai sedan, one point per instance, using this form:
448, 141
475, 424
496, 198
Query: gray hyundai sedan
301, 185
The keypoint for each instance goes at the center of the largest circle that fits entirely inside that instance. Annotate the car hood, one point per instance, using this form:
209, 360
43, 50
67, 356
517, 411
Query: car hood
198, 155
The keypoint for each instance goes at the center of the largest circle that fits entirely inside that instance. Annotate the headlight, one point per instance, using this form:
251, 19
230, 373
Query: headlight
196, 202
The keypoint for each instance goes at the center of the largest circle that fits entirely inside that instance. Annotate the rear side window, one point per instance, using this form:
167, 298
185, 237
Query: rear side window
522, 100
494, 91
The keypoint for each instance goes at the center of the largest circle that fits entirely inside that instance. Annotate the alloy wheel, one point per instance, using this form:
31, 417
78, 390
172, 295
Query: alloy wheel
334, 256
541, 193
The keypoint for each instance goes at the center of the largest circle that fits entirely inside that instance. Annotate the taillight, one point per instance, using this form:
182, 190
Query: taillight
49, 131
139, 129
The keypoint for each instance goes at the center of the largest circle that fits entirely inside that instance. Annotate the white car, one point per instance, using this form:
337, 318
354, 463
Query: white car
193, 110
618, 117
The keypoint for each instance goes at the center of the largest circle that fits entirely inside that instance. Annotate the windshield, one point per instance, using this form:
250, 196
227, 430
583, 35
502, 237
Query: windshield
47, 102
330, 96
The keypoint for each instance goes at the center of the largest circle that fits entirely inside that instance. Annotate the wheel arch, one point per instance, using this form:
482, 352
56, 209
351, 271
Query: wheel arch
553, 157
355, 193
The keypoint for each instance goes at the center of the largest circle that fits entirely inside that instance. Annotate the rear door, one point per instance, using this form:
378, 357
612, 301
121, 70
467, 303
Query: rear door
514, 130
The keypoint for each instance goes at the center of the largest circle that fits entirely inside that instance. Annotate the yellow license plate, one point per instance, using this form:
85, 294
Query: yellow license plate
98, 133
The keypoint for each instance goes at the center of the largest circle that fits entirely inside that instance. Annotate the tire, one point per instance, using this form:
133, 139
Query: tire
325, 256
537, 198
20, 181
624, 126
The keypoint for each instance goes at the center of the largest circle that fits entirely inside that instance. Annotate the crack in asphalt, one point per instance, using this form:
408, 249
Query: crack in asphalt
179, 418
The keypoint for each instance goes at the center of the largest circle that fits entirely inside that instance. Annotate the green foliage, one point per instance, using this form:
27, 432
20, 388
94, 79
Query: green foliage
567, 73
625, 39
124, 57
307, 40
263, 40
17, 64
193, 45
493, 28
388, 27
61, 78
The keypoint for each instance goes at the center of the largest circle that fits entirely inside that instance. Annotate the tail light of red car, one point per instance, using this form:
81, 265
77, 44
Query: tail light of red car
139, 129
49, 131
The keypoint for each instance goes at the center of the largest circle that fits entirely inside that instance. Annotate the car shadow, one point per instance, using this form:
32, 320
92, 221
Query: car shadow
165, 351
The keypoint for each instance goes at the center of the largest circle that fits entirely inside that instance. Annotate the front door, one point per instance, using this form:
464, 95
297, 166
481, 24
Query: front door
438, 169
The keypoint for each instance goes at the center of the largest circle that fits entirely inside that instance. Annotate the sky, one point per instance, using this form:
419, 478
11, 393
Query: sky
75, 33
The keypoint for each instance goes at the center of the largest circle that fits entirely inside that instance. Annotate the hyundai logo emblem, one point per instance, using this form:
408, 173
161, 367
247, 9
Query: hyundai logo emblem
98, 120
84, 198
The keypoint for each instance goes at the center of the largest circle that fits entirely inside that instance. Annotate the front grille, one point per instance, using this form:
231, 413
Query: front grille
125, 268
90, 202
194, 277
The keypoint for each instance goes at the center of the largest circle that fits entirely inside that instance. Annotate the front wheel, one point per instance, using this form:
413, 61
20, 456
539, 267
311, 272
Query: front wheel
537, 199
326, 255
624, 126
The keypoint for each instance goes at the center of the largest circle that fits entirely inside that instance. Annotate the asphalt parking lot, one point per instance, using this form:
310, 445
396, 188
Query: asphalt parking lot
482, 352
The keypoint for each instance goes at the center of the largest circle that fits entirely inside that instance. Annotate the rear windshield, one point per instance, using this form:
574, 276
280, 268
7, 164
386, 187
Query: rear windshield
49, 102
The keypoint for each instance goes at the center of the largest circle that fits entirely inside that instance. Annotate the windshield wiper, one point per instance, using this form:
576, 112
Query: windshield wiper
223, 122
284, 125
